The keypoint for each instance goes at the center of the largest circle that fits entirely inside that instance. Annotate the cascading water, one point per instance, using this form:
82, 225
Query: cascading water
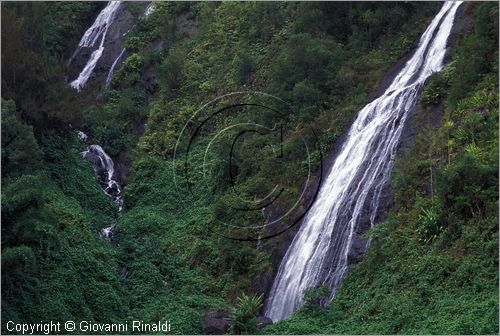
105, 171
112, 69
82, 136
149, 9
97, 31
350, 197
104, 168
102, 163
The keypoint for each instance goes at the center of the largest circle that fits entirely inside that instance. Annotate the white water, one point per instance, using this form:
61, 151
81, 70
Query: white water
112, 69
149, 9
107, 232
350, 197
82, 136
97, 32
105, 170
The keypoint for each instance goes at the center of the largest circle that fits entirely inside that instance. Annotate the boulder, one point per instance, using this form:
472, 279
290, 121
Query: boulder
215, 326
219, 313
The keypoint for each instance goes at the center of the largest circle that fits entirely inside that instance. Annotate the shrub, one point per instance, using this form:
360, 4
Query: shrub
435, 89
317, 296
244, 315
132, 67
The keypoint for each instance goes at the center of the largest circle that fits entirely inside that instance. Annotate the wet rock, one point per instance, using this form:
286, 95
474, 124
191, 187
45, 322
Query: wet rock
96, 162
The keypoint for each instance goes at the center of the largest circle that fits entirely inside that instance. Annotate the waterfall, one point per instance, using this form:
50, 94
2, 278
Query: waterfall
105, 171
82, 136
104, 168
350, 197
149, 9
97, 31
112, 69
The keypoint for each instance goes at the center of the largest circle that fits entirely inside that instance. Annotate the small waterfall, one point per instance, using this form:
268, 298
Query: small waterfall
349, 199
112, 69
104, 168
97, 32
149, 9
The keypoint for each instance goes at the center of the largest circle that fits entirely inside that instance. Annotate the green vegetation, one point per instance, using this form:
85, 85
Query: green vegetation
316, 296
54, 266
244, 316
433, 265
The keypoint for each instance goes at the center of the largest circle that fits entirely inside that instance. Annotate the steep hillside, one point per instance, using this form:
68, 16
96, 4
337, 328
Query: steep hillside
433, 263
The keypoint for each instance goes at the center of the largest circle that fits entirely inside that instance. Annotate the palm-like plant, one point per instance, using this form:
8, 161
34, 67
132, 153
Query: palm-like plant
244, 315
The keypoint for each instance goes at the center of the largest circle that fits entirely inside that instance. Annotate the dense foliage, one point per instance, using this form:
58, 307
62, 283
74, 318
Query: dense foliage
54, 265
433, 265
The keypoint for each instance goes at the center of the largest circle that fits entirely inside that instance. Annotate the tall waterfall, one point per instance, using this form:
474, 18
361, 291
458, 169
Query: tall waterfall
349, 199
97, 32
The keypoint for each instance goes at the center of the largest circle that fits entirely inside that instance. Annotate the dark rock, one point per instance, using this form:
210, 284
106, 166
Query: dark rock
263, 321
218, 314
100, 170
216, 322
215, 326
148, 81
357, 250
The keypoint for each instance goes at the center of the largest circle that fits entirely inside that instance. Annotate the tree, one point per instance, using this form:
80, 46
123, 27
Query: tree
20, 151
